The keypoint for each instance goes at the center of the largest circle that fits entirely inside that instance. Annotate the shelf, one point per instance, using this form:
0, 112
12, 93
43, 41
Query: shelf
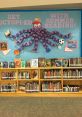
7, 81
50, 79
30, 68
73, 79
52, 90
41, 94
26, 68
28, 79
72, 67
41, 68
32, 91
50, 68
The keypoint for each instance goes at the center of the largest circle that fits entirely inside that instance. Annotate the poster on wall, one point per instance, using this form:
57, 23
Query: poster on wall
34, 34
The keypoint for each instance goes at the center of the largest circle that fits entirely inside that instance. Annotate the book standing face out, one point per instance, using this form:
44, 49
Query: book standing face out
17, 63
34, 62
41, 62
23, 64
11, 64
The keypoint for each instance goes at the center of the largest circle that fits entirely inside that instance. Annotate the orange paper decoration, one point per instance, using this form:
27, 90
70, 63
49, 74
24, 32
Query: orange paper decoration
16, 52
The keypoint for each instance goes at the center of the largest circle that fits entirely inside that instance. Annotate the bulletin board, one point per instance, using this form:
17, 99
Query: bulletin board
63, 22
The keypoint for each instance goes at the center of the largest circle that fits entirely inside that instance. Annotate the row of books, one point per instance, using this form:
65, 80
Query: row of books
21, 75
29, 87
73, 62
56, 62
8, 88
46, 74
51, 74
71, 88
51, 87
73, 73
42, 62
8, 75
34, 87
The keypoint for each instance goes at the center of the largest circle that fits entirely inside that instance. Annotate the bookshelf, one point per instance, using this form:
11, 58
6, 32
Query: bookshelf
41, 81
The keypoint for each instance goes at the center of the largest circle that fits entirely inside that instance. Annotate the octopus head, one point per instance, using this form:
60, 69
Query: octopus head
37, 23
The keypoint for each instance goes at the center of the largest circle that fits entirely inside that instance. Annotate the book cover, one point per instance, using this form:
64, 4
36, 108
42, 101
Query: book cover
27, 64
4, 46
58, 62
48, 62
5, 64
41, 62
65, 62
23, 64
27, 75
53, 64
11, 64
17, 62
34, 62
1, 64
35, 74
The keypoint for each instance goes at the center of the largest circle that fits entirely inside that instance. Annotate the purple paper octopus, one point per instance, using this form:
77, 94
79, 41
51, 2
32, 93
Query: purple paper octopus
38, 34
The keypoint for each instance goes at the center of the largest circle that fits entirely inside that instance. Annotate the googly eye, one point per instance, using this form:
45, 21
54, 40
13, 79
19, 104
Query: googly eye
35, 25
39, 25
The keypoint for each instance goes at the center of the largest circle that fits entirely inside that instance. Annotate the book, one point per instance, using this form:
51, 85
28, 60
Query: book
41, 62
34, 62
5, 64
27, 64
27, 75
34, 74
65, 63
3, 46
17, 62
1, 64
22, 86
53, 64
11, 64
48, 62
23, 64
58, 62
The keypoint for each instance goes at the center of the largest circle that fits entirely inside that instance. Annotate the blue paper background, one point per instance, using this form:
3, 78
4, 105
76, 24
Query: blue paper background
55, 52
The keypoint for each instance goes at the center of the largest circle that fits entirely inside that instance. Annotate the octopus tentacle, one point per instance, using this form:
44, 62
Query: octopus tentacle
61, 35
22, 38
55, 39
25, 45
35, 45
19, 34
45, 45
50, 43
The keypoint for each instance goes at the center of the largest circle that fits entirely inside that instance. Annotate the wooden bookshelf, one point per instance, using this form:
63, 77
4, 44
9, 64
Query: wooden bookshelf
68, 85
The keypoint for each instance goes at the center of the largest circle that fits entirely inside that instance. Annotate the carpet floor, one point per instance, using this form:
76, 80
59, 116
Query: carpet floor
40, 107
